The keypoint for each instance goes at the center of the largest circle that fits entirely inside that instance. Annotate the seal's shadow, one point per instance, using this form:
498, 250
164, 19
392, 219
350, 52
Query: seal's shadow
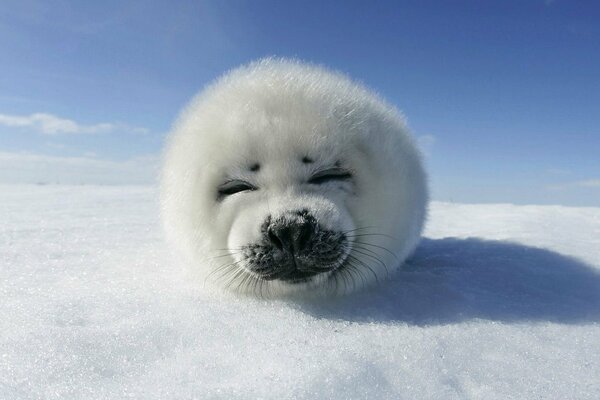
453, 280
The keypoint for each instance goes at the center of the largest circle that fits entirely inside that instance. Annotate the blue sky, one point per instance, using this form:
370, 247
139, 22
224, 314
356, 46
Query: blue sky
504, 96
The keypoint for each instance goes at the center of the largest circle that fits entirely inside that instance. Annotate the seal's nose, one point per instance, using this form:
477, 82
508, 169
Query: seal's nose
292, 237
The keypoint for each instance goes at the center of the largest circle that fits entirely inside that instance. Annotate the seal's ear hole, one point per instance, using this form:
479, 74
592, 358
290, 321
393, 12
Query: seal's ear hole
307, 160
254, 167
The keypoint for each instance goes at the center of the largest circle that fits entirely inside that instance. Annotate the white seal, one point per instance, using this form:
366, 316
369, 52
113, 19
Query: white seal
283, 177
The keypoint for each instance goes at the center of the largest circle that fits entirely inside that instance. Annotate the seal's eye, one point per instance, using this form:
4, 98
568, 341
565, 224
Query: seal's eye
328, 175
234, 186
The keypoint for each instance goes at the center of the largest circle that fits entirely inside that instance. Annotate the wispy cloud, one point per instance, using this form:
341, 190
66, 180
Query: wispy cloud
86, 169
558, 171
588, 183
49, 124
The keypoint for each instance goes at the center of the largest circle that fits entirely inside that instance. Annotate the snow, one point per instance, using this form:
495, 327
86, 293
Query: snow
499, 302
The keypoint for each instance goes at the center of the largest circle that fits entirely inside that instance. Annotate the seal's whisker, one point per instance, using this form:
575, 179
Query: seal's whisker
356, 271
377, 246
242, 282
231, 267
364, 264
228, 249
225, 255
238, 272
257, 283
222, 267
366, 254
250, 284
358, 229
372, 234
226, 273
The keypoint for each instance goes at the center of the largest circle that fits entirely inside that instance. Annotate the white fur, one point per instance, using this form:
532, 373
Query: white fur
274, 111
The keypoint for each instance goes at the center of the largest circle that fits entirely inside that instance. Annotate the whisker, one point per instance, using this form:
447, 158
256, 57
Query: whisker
372, 234
242, 283
224, 255
362, 251
358, 229
222, 267
379, 247
355, 272
366, 266
238, 271
260, 288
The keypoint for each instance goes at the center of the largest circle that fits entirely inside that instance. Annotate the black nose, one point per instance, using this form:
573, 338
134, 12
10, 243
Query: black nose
291, 236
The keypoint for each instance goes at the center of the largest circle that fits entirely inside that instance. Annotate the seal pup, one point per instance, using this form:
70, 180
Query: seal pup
283, 178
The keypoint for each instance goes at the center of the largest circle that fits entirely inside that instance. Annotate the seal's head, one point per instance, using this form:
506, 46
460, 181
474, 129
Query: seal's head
283, 178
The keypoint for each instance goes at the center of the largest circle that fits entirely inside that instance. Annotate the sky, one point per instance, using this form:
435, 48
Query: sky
503, 96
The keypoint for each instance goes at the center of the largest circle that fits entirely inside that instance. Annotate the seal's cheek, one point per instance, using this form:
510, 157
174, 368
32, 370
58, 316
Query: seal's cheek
245, 228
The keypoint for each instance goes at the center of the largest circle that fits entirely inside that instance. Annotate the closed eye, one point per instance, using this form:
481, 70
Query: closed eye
234, 186
329, 175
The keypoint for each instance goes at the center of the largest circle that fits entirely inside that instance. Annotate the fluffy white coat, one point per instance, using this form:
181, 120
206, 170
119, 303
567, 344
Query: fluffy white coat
274, 112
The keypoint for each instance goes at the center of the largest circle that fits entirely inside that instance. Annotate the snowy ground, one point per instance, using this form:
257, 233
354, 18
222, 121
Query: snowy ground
499, 302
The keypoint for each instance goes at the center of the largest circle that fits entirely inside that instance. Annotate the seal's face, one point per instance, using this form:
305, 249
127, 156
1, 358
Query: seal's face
292, 246
289, 220
286, 178
287, 211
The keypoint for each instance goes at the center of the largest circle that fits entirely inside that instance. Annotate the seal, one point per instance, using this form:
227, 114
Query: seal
284, 178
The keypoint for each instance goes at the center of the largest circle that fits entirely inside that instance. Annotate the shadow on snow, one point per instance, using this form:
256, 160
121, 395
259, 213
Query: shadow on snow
453, 280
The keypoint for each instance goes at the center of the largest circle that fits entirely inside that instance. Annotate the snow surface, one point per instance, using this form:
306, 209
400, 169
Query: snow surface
499, 302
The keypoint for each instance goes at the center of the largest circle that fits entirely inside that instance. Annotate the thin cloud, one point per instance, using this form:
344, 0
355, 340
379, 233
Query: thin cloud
558, 171
49, 124
588, 183
86, 169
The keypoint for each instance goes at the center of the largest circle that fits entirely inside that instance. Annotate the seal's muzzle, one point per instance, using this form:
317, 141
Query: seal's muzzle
294, 248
